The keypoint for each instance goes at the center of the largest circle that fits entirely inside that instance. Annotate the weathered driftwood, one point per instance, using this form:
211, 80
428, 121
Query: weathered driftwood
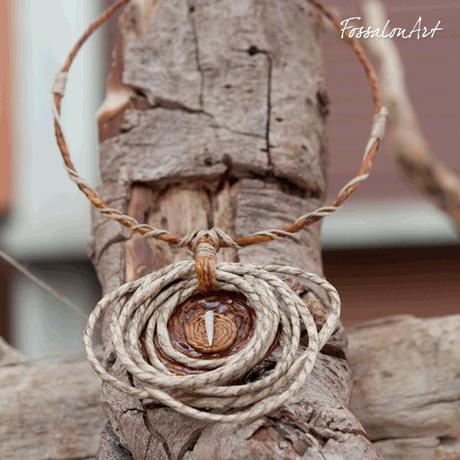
48, 410
406, 385
411, 149
391, 359
214, 116
431, 448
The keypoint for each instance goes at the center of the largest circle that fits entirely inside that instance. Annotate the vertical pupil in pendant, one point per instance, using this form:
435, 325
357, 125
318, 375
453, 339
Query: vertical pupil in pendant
211, 326
223, 335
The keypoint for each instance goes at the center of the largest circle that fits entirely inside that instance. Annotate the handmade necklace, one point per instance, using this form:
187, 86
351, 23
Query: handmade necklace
227, 317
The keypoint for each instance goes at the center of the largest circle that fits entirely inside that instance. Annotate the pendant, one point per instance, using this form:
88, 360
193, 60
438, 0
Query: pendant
191, 334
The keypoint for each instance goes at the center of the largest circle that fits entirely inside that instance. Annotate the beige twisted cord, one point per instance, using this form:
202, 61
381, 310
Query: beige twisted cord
146, 230
148, 303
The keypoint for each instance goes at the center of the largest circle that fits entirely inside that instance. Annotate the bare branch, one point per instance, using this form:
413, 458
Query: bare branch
427, 174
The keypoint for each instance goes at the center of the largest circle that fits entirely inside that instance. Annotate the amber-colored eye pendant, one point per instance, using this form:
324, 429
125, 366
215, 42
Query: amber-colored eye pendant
195, 352
211, 326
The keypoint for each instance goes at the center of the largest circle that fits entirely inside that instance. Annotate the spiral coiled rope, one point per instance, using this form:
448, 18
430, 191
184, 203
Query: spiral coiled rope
144, 306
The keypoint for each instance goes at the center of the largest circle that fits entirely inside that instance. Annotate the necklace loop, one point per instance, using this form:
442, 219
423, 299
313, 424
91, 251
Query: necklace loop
145, 230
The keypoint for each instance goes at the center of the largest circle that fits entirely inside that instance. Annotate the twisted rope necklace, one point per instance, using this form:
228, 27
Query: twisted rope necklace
230, 316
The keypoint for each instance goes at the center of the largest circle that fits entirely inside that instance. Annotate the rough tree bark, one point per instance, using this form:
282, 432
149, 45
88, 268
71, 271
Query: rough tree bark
214, 116
405, 380
406, 385
48, 409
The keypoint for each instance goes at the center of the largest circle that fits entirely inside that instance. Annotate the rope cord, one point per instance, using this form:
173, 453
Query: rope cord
143, 308
376, 134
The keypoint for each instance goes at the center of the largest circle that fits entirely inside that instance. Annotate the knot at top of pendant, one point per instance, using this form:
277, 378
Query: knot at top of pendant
205, 244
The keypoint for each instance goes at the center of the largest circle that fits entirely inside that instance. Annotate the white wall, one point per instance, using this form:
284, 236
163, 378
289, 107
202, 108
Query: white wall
361, 224
50, 219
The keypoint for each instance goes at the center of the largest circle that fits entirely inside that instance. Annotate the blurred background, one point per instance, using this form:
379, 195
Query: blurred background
388, 251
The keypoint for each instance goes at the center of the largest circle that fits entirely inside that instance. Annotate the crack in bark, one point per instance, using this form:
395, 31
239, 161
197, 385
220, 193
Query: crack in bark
190, 444
154, 433
269, 107
235, 131
191, 10
284, 424
253, 51
132, 409
169, 104
210, 214
112, 439
439, 401
86, 457
149, 442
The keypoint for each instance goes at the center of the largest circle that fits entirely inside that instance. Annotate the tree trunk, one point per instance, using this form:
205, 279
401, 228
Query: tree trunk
406, 385
214, 116
48, 409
